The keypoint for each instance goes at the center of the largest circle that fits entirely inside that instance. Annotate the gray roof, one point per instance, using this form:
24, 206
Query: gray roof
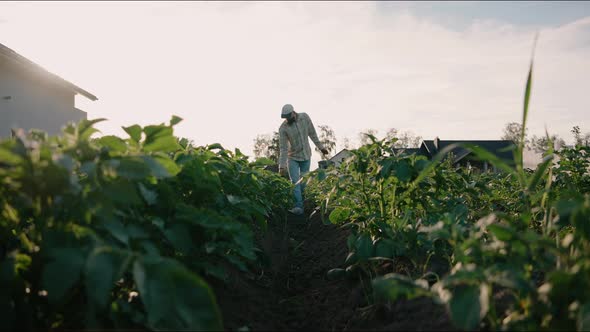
343, 151
417, 151
500, 148
29, 65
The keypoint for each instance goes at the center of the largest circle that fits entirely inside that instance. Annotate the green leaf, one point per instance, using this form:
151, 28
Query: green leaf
207, 219
133, 168
502, 232
104, 266
137, 232
468, 305
583, 320
527, 97
350, 241
339, 215
88, 168
508, 276
351, 258
116, 229
175, 120
23, 262
364, 247
421, 164
64, 160
160, 138
431, 165
150, 196
134, 132
385, 248
123, 192
162, 144
321, 175
114, 143
179, 237
174, 297
394, 286
85, 128
245, 242
60, 274
149, 248
525, 111
234, 200
214, 146
8, 157
158, 170
541, 169
156, 131
403, 171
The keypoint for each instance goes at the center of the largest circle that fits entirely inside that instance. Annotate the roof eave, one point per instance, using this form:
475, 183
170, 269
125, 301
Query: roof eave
85, 93
22, 61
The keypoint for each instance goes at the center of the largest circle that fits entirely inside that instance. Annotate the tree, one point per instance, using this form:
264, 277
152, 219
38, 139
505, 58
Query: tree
328, 139
577, 135
267, 146
364, 136
512, 132
261, 144
347, 144
391, 134
578, 139
540, 144
274, 150
405, 139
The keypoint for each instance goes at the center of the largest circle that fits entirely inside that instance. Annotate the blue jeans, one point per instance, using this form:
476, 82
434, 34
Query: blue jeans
296, 171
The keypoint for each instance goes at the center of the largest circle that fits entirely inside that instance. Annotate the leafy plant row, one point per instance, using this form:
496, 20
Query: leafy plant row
125, 232
502, 251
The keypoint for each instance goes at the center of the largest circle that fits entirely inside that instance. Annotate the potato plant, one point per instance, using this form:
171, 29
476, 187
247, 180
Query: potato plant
505, 250
124, 233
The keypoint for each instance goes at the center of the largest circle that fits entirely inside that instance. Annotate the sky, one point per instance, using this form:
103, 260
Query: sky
456, 70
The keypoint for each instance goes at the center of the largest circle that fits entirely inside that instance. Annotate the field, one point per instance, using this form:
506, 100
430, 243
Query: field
149, 232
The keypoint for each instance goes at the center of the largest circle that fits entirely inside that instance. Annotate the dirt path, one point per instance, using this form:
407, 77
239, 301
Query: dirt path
293, 293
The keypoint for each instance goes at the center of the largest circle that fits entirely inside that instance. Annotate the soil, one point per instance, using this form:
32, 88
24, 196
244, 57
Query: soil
293, 293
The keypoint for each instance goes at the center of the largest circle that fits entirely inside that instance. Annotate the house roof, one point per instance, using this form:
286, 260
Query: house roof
416, 151
29, 65
499, 147
429, 146
343, 151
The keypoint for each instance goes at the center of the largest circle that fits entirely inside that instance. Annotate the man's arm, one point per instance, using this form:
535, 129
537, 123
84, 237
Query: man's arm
283, 148
314, 136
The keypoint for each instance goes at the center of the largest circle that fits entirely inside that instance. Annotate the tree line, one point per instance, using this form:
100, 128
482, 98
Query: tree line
512, 131
267, 145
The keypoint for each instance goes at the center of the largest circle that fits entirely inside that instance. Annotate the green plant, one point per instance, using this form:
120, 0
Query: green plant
124, 233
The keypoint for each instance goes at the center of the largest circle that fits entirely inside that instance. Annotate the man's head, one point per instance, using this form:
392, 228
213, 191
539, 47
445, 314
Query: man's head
288, 113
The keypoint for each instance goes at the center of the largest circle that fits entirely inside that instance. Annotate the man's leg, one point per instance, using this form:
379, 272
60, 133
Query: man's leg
304, 168
295, 175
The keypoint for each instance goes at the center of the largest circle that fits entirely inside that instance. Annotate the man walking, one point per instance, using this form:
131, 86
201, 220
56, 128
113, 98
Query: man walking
295, 131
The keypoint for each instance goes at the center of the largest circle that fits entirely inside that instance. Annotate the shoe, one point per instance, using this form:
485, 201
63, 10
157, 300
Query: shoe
296, 211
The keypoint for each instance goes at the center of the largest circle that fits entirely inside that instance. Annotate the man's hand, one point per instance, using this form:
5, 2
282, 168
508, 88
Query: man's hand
324, 151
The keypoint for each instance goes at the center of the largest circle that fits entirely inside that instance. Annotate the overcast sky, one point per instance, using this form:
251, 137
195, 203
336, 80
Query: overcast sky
452, 70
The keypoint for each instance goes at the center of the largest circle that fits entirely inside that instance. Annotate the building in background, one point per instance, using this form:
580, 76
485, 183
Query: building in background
336, 160
33, 98
461, 156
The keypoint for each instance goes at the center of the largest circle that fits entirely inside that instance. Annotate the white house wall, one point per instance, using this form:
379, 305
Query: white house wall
29, 103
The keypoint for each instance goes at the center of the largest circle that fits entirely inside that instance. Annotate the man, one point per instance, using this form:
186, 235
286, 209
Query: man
295, 158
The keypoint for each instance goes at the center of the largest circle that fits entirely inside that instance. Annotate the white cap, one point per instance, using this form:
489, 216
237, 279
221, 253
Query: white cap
287, 109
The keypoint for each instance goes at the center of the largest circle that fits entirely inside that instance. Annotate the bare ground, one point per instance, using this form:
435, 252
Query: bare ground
293, 293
